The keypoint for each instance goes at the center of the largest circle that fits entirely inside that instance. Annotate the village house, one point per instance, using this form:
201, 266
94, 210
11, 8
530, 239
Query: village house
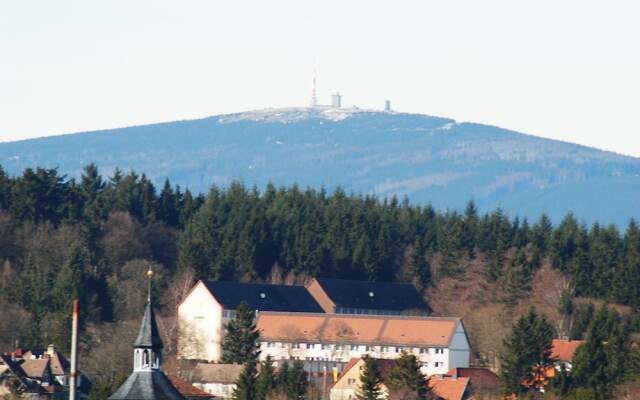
219, 380
562, 352
189, 391
210, 305
38, 374
348, 384
325, 342
482, 381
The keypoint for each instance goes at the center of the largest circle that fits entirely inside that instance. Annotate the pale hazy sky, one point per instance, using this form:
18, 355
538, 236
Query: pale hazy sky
564, 69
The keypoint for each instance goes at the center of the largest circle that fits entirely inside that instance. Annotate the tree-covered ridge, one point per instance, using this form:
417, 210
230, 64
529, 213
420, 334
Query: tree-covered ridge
91, 237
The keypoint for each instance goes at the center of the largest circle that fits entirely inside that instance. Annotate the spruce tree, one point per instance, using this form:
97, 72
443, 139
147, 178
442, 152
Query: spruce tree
527, 351
296, 381
418, 269
405, 379
247, 385
241, 337
267, 379
370, 381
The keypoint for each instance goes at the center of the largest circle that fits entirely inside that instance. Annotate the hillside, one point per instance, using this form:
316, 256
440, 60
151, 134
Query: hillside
430, 159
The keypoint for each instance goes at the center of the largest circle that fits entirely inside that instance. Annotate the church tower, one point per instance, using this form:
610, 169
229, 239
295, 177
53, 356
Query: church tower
147, 381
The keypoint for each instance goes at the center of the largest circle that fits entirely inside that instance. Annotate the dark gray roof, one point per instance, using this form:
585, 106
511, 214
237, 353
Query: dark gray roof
148, 335
373, 295
147, 385
264, 297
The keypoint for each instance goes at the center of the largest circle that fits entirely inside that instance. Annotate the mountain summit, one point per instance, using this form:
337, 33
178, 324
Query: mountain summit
429, 159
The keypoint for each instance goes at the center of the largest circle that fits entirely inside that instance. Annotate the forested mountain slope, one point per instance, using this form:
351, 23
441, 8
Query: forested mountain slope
94, 239
432, 160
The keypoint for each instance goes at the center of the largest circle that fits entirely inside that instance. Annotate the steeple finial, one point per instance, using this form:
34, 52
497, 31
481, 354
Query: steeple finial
150, 277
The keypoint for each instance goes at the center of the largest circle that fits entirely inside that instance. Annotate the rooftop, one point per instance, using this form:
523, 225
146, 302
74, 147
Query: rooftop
372, 295
216, 373
448, 388
147, 385
563, 350
361, 329
263, 297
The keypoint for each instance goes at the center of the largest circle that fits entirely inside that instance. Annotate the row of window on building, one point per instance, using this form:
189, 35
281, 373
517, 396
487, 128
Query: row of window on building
355, 347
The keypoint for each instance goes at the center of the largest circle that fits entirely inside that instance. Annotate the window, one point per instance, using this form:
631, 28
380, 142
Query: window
384, 349
271, 344
351, 381
438, 364
424, 364
423, 350
339, 347
398, 349
309, 345
354, 347
370, 348
325, 347
439, 351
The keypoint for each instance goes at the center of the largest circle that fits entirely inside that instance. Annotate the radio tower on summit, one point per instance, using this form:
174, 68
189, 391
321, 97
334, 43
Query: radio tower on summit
314, 97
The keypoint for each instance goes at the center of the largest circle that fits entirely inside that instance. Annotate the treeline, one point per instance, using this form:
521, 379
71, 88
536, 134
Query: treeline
61, 235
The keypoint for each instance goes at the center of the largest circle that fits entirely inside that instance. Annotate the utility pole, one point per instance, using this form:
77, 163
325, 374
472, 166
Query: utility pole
73, 378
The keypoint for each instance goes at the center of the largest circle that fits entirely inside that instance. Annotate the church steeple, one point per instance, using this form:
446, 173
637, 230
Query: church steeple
147, 382
148, 344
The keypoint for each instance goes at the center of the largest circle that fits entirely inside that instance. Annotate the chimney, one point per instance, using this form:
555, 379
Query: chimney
51, 350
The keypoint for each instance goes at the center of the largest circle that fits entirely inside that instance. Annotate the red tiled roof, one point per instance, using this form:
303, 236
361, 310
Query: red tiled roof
361, 329
481, 377
563, 350
186, 389
448, 388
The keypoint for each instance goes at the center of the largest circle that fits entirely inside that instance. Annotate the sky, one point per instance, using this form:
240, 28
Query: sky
568, 70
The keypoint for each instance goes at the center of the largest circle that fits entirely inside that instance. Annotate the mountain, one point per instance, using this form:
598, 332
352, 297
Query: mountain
429, 159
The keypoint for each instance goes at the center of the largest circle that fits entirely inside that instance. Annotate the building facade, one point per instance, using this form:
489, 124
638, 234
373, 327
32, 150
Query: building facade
210, 305
327, 341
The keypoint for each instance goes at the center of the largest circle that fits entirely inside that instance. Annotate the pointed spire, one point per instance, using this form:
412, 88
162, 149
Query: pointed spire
148, 335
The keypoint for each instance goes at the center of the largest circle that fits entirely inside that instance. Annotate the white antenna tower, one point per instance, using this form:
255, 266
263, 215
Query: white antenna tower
314, 97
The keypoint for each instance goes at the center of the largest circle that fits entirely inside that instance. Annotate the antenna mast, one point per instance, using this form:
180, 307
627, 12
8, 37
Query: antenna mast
314, 97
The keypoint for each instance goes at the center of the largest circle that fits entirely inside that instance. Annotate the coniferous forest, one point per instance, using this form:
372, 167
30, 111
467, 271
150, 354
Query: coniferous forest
94, 237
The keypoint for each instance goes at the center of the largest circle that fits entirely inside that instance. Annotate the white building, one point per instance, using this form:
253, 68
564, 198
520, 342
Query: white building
327, 341
210, 305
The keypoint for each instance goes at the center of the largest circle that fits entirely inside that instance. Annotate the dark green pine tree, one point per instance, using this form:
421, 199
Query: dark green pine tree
5, 190
418, 270
405, 379
241, 337
603, 361
527, 350
247, 385
69, 285
470, 229
627, 279
370, 381
166, 206
70, 281
296, 381
267, 379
